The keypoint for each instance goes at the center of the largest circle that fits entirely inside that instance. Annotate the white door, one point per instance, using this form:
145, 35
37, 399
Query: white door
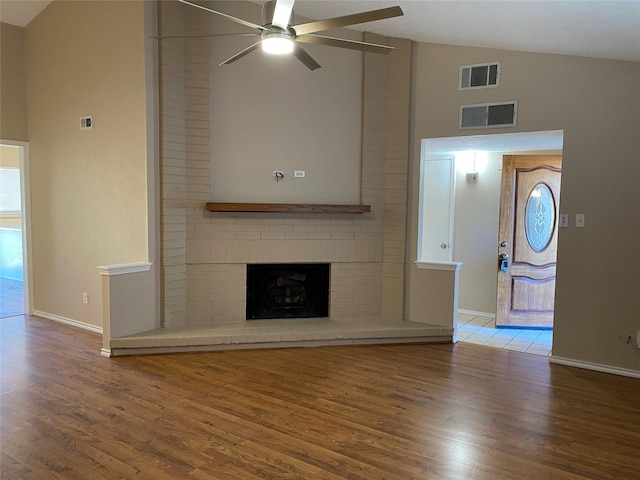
436, 219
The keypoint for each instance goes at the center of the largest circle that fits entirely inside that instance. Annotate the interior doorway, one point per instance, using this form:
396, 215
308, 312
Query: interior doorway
475, 243
15, 278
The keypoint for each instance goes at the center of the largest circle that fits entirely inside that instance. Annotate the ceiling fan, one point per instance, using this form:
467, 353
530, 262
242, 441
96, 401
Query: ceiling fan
279, 36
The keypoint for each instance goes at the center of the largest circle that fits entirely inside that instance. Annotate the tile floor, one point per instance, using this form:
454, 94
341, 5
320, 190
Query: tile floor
483, 331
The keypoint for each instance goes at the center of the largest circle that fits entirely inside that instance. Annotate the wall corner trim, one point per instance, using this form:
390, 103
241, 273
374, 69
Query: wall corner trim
124, 268
448, 266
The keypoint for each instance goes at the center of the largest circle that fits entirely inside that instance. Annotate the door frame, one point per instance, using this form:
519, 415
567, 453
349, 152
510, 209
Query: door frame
25, 204
531, 142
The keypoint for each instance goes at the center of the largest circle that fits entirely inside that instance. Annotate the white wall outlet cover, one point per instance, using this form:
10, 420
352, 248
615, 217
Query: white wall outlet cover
579, 219
564, 220
299, 173
86, 123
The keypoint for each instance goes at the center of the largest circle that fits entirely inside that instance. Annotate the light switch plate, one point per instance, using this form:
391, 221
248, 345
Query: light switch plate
564, 220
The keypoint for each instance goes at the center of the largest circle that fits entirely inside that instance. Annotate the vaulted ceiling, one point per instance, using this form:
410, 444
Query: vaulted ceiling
591, 28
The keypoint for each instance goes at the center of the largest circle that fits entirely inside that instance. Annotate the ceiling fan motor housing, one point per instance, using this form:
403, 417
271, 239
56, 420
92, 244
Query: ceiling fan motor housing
267, 13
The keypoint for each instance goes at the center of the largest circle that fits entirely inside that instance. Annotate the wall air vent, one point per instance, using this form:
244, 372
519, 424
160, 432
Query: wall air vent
488, 115
483, 75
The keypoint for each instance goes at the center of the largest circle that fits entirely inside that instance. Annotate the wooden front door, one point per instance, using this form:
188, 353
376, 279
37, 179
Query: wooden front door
528, 237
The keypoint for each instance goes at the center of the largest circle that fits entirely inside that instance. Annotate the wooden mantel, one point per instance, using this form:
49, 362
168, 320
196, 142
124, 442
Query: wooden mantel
286, 208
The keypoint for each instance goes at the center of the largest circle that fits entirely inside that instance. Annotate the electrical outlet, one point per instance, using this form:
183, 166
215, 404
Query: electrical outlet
86, 123
85, 298
579, 219
299, 173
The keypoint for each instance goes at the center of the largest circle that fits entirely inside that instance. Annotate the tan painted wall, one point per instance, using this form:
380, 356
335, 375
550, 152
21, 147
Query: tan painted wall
433, 295
128, 304
597, 104
89, 190
13, 97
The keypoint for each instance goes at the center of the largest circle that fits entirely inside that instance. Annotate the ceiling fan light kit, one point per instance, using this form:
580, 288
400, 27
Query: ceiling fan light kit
279, 36
277, 43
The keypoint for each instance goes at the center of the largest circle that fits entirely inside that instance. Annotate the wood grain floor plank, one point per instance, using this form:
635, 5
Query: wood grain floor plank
402, 412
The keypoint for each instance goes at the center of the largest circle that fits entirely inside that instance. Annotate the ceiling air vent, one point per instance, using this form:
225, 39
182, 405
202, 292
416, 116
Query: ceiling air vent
488, 115
482, 75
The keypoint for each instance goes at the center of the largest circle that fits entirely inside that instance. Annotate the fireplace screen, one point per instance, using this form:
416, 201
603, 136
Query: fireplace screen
287, 290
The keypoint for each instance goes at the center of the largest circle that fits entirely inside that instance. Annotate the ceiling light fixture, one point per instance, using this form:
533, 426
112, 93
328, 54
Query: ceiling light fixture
278, 43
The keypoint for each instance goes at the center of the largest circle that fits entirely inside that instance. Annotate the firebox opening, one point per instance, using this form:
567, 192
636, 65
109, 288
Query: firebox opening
287, 290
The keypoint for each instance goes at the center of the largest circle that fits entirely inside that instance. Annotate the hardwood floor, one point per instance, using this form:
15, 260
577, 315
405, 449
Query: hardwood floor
356, 412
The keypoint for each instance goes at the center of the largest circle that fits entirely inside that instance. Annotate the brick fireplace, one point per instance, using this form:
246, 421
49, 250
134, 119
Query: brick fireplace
204, 255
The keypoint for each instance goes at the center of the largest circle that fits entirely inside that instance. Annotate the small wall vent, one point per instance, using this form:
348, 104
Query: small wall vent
482, 75
488, 115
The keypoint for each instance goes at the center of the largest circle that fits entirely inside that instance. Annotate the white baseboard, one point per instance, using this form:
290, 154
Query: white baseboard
477, 314
105, 352
68, 321
625, 372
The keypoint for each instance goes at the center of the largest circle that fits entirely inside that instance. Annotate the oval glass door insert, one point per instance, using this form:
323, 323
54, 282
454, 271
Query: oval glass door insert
540, 217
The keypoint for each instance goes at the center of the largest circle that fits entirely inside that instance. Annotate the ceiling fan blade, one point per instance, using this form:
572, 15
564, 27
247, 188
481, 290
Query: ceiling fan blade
234, 19
337, 22
305, 58
282, 13
208, 35
241, 54
342, 43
